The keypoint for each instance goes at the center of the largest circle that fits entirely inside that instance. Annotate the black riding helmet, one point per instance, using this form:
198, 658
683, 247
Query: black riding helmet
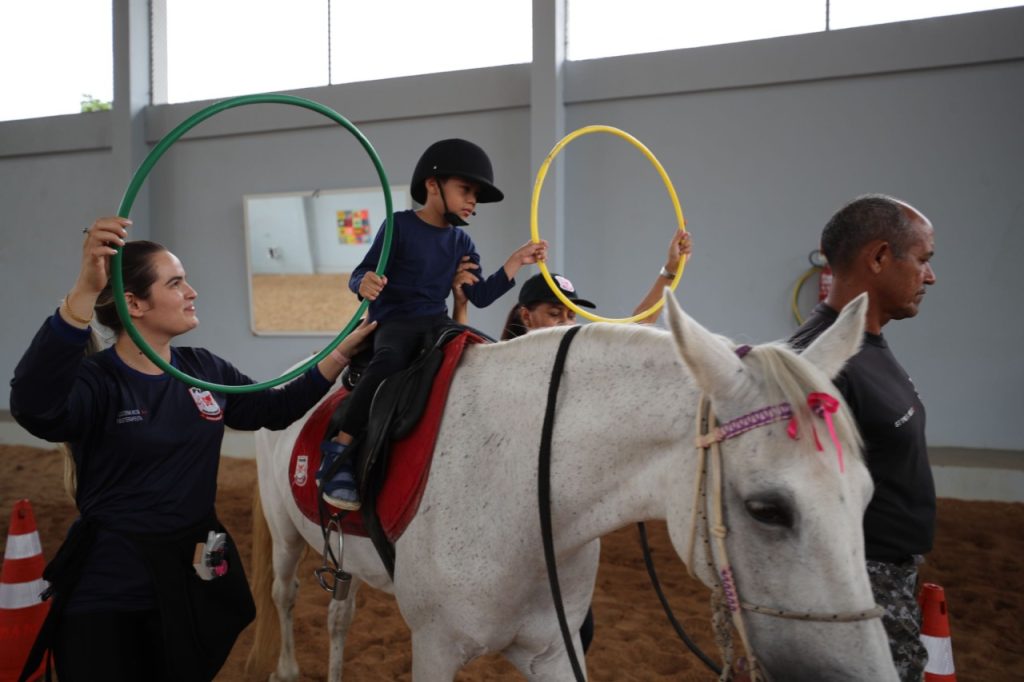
455, 157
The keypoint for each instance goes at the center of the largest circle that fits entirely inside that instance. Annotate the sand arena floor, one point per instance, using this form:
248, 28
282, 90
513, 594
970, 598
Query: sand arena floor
978, 559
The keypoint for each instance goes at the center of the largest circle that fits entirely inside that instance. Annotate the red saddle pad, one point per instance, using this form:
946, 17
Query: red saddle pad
408, 467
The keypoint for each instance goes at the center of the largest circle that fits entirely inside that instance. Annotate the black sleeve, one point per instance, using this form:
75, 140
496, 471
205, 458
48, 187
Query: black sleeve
54, 394
274, 408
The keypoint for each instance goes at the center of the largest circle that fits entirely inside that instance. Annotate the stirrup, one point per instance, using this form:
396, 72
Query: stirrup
334, 581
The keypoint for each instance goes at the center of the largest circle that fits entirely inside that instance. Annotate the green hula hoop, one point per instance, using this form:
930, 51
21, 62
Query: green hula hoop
117, 276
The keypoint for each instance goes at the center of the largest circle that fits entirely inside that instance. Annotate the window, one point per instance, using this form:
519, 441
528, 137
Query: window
231, 47
55, 55
604, 28
389, 38
849, 13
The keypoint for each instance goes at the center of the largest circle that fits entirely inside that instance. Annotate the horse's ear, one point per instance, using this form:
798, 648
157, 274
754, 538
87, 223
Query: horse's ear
714, 364
842, 340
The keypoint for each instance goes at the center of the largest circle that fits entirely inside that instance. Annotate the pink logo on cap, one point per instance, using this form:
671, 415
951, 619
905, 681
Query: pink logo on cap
565, 284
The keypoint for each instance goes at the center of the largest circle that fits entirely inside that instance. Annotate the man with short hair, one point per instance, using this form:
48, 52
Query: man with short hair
883, 246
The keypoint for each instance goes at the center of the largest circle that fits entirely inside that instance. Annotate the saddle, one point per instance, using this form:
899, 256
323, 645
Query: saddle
397, 406
405, 412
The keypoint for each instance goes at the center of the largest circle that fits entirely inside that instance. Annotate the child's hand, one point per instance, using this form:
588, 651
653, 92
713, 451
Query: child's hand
679, 246
372, 285
532, 252
463, 275
527, 254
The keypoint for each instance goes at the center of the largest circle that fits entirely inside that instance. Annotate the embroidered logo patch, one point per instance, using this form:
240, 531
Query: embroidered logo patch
565, 284
208, 407
129, 416
301, 470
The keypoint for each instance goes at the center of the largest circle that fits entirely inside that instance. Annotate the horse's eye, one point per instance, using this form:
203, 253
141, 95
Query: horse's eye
770, 512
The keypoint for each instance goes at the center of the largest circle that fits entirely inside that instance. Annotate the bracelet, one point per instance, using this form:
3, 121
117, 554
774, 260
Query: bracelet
340, 357
666, 274
70, 313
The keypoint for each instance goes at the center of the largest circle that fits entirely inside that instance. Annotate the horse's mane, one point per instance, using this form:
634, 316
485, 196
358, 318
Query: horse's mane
790, 378
783, 374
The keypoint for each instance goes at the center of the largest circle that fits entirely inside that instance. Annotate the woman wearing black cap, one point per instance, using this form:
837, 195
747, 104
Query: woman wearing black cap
539, 307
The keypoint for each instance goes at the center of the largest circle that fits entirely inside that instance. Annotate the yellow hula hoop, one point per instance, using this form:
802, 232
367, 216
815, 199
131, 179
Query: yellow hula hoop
535, 231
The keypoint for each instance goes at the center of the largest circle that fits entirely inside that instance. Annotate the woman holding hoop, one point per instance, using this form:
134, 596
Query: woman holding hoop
147, 585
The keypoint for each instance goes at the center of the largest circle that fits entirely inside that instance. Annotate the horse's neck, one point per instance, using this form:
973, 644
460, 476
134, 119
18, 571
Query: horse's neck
641, 403
622, 449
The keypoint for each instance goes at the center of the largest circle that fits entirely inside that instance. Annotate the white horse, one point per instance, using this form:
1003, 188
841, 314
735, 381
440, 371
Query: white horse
470, 574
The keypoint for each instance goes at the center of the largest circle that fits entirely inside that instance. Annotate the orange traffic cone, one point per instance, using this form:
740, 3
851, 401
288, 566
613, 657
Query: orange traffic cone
21, 581
935, 634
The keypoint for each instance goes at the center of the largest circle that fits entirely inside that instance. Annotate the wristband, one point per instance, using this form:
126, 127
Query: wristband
70, 313
666, 274
340, 358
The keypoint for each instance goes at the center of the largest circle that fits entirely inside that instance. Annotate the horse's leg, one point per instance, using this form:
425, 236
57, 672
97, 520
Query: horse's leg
539, 652
275, 554
339, 617
287, 553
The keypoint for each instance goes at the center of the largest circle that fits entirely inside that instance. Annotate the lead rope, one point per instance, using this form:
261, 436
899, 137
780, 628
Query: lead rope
676, 625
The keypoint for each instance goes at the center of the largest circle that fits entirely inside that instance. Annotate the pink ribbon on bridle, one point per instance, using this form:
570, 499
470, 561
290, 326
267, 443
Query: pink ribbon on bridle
824, 406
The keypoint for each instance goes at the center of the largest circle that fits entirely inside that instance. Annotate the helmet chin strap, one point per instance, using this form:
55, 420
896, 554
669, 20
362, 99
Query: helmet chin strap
452, 218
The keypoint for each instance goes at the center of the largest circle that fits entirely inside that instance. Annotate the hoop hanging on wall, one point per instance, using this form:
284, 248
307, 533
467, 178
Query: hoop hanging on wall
535, 231
117, 276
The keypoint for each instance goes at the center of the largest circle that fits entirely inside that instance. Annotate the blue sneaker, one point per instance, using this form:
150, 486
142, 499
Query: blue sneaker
329, 451
341, 490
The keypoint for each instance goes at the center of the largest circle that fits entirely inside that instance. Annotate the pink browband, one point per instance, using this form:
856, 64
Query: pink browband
748, 422
821, 404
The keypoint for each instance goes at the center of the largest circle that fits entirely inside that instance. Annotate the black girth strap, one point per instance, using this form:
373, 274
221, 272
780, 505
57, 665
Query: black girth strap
544, 496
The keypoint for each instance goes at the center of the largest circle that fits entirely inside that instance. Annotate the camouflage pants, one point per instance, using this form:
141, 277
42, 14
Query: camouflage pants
895, 588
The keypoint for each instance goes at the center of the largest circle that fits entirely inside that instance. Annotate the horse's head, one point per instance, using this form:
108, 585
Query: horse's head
791, 509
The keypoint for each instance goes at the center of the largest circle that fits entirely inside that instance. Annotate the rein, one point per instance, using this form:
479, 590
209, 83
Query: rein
544, 497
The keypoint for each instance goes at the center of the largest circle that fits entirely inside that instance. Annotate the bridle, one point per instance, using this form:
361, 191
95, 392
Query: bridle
726, 595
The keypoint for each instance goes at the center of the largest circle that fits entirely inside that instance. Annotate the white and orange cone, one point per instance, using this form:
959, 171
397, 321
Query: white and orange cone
21, 581
935, 634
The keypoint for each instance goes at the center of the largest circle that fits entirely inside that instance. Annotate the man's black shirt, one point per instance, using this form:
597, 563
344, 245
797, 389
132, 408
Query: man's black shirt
900, 519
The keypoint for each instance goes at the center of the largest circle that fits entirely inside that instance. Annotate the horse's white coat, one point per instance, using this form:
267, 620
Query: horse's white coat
470, 576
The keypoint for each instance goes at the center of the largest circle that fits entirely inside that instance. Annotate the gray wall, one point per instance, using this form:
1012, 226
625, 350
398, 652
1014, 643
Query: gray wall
45, 201
763, 140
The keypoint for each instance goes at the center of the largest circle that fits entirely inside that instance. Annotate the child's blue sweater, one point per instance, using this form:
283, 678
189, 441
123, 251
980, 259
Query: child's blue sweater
420, 270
